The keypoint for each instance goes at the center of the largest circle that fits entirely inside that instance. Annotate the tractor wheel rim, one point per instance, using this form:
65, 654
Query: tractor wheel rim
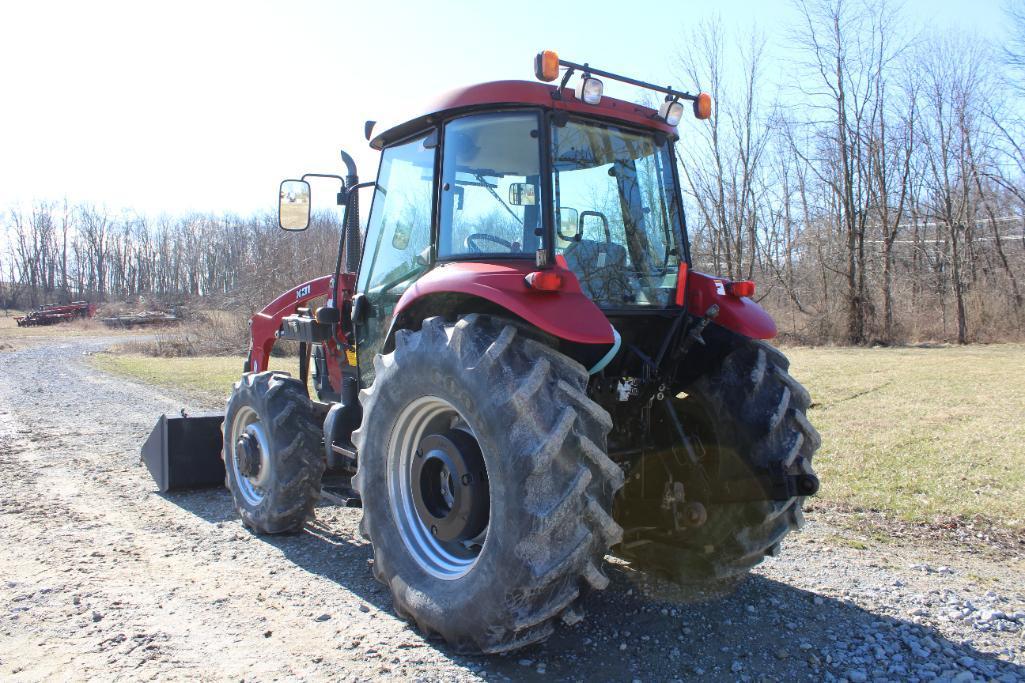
252, 489
447, 560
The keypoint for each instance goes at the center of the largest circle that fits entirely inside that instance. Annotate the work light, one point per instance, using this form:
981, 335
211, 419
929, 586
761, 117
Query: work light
589, 90
671, 111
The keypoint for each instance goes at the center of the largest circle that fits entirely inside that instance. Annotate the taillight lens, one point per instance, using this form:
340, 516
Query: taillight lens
741, 288
544, 280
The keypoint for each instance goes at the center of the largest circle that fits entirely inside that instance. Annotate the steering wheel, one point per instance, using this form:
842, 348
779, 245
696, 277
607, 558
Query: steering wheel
471, 242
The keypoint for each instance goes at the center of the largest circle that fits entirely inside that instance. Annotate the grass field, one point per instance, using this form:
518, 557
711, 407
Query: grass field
213, 375
918, 433
921, 432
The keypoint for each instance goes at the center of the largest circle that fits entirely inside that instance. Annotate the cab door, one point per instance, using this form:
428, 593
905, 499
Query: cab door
396, 249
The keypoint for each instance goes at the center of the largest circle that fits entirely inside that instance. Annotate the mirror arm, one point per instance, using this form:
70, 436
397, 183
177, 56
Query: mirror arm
347, 197
337, 177
351, 167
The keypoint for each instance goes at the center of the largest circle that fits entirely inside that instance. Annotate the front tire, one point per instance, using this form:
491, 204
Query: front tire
273, 458
549, 483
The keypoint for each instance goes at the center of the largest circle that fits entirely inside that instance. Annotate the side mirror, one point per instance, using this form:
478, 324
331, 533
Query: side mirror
600, 216
568, 225
294, 205
522, 194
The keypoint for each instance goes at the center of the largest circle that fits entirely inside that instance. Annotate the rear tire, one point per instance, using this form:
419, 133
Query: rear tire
754, 414
277, 484
550, 484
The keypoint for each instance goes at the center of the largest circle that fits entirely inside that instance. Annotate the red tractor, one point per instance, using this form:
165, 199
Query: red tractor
518, 372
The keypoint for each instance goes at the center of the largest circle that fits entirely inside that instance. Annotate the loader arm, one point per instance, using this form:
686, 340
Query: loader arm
264, 326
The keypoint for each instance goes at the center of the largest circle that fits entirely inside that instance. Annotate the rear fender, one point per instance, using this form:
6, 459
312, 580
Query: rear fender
737, 314
566, 314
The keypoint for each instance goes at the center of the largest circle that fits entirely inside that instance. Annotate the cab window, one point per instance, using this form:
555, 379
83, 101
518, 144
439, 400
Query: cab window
616, 215
396, 248
398, 233
490, 190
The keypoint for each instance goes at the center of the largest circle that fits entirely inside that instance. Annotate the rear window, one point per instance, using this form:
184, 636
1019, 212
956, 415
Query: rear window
490, 190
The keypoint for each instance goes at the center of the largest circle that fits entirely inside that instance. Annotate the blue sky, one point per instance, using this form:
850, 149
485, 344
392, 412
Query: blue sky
207, 105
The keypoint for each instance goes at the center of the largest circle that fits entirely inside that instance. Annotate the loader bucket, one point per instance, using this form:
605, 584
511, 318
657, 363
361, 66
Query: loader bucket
185, 452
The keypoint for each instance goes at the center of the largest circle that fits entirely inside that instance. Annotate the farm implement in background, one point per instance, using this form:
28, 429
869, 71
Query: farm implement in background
52, 314
144, 319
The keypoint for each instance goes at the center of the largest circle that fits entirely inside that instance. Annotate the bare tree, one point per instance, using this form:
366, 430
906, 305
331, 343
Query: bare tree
1014, 50
848, 50
891, 143
723, 171
952, 73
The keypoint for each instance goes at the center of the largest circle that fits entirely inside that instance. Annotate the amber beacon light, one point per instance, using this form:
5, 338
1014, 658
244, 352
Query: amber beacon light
546, 65
703, 106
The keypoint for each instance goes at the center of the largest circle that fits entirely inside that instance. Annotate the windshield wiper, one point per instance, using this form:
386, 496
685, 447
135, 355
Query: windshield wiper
491, 189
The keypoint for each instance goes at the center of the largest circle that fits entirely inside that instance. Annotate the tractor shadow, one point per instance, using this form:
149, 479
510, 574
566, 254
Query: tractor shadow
329, 546
213, 504
645, 627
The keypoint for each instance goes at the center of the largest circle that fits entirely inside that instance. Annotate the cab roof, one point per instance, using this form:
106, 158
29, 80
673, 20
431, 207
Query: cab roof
518, 93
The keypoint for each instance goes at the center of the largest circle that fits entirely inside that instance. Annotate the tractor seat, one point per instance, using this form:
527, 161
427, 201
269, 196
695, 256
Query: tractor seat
601, 269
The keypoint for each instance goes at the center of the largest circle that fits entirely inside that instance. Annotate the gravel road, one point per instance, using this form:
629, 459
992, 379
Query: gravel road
101, 577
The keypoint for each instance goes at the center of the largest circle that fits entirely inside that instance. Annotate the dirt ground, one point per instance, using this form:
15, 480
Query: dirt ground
102, 578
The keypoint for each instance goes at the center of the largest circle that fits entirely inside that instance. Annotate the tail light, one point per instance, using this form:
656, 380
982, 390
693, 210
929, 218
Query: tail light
681, 283
741, 288
544, 280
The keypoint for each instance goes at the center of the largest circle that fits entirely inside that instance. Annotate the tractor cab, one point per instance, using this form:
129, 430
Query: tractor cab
558, 204
561, 203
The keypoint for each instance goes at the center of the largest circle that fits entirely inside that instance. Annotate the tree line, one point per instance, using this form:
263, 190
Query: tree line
60, 252
876, 190
871, 179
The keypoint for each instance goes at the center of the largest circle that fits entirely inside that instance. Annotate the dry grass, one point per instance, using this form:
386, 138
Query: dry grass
12, 336
208, 333
923, 433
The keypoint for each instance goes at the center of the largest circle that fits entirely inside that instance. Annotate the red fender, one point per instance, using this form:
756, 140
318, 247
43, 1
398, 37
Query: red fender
264, 326
566, 313
737, 314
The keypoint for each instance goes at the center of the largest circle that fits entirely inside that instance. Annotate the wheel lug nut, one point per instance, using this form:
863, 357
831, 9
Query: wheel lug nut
434, 530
